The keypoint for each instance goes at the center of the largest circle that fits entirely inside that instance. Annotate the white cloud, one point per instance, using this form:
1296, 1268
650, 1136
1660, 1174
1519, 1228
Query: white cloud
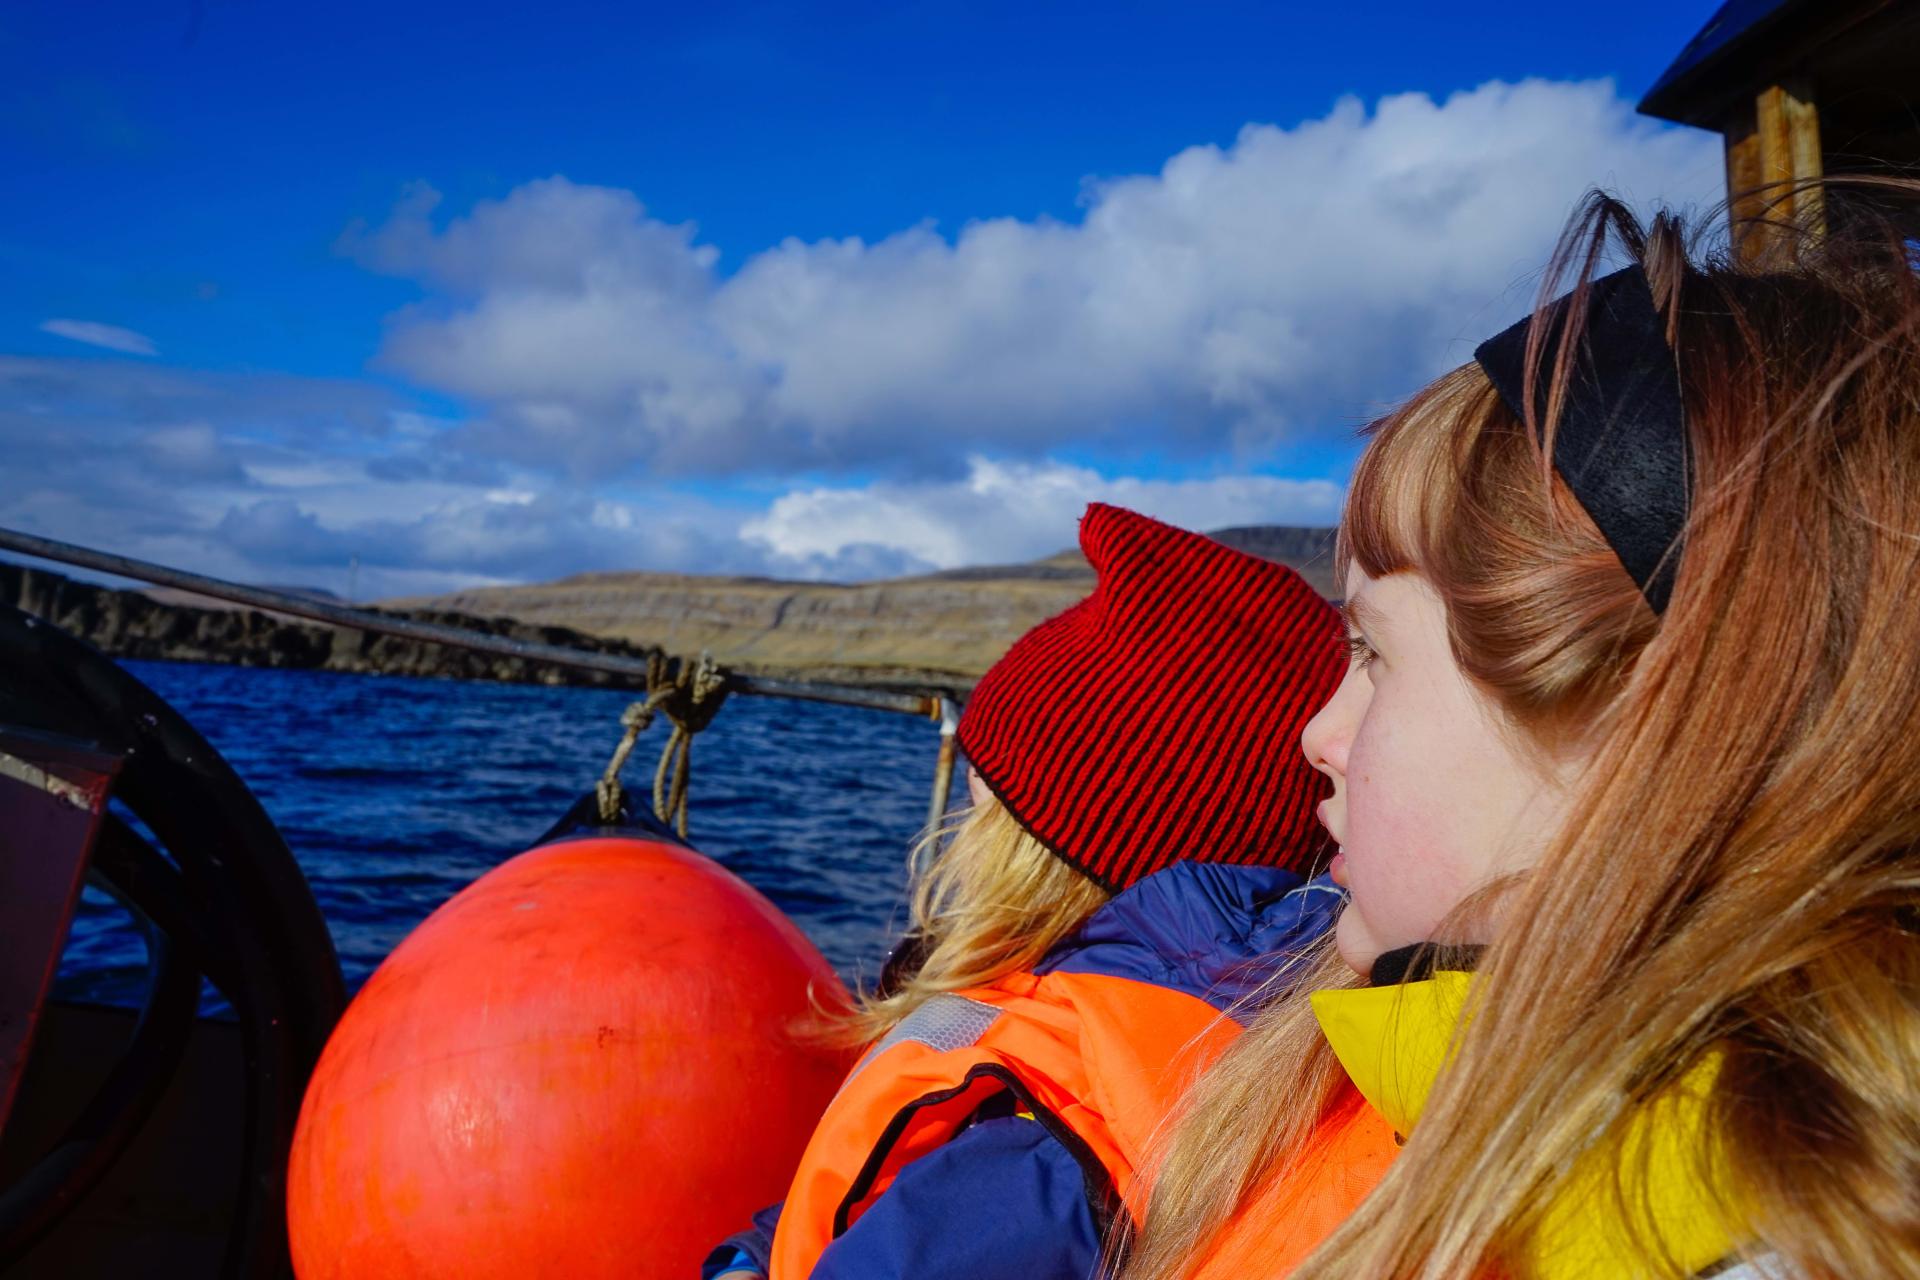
1003, 513
1243, 295
1280, 288
302, 509
95, 334
191, 451
469, 537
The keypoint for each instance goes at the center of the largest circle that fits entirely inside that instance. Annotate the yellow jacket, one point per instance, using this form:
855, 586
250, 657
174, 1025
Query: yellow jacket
1393, 1041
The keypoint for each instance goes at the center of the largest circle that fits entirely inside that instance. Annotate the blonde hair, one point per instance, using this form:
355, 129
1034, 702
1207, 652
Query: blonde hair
1740, 873
987, 899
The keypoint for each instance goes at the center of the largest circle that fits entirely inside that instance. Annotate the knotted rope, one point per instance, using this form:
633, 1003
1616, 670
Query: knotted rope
689, 696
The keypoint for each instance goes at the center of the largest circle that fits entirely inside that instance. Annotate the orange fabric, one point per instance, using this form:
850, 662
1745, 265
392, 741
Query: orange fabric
1105, 1057
1292, 1214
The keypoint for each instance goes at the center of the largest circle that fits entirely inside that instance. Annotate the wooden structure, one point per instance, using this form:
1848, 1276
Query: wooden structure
1800, 89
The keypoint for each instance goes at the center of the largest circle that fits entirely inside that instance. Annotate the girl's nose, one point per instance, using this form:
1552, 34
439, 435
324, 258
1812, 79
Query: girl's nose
1330, 732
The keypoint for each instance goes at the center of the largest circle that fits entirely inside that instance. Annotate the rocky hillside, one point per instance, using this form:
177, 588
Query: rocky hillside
186, 628
936, 632
940, 629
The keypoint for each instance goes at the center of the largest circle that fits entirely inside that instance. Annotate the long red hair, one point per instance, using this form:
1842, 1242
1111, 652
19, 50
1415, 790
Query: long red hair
1740, 874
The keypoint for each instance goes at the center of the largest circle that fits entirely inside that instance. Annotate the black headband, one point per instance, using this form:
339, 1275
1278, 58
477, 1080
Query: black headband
1621, 444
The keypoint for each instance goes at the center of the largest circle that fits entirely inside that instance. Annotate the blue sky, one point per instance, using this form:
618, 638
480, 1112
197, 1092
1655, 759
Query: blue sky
477, 292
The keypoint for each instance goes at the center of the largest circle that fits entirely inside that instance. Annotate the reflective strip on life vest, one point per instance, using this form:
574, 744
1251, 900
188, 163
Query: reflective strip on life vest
944, 1023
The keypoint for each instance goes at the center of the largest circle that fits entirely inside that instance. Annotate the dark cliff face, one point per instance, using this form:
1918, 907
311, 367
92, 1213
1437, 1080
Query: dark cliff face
129, 624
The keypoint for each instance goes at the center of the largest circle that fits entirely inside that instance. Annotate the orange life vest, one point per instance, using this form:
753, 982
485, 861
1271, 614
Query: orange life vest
1289, 1216
1392, 1040
1099, 1060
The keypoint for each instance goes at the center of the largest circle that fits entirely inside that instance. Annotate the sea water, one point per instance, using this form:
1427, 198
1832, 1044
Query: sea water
394, 793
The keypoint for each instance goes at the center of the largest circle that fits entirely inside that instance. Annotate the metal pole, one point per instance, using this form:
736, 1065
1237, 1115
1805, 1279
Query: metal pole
942, 766
434, 633
926, 706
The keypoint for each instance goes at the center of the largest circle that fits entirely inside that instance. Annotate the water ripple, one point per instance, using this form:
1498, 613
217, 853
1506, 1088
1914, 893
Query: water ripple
395, 792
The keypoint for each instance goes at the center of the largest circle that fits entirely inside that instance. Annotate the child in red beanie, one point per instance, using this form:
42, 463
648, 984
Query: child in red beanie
1132, 869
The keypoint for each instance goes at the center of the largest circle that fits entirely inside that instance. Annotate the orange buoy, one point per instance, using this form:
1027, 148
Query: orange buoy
581, 1066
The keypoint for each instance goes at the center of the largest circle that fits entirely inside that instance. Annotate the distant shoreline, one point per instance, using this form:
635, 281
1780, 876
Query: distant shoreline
931, 634
132, 624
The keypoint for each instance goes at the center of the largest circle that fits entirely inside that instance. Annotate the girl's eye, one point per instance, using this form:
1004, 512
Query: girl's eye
1360, 652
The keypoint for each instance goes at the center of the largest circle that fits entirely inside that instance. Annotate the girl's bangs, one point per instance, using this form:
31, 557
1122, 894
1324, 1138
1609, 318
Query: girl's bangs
1408, 477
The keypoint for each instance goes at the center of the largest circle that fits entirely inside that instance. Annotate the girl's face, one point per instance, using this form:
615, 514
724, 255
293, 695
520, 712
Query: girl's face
1434, 793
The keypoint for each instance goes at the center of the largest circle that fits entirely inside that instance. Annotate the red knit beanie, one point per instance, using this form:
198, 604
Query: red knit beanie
1159, 719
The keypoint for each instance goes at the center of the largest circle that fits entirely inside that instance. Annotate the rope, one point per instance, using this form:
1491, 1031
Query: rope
689, 696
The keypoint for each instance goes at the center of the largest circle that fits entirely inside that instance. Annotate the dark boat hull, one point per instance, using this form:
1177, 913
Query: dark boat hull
166, 1207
